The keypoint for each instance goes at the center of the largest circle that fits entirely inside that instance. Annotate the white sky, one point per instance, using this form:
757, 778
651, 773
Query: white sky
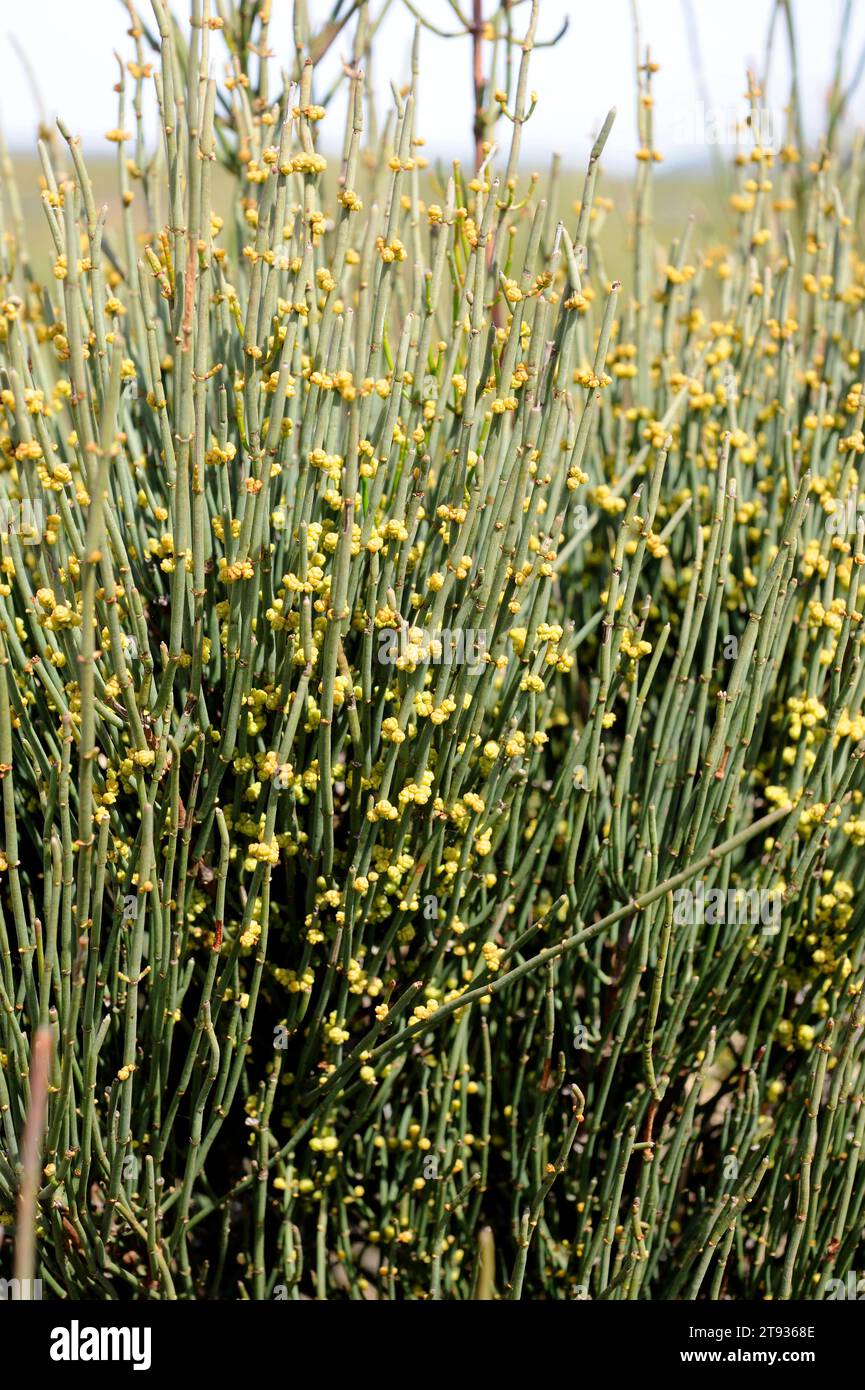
70, 44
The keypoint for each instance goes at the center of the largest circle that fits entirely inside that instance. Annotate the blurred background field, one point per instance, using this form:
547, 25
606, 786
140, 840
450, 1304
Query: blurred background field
704, 53
678, 195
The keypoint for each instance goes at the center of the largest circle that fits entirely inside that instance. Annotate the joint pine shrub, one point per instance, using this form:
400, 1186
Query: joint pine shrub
424, 662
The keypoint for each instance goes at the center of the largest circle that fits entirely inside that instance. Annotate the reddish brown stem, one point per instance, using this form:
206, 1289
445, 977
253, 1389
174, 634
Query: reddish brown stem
31, 1150
478, 77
